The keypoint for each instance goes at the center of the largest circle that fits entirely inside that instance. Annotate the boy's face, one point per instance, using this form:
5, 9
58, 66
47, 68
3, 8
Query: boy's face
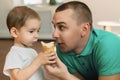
29, 33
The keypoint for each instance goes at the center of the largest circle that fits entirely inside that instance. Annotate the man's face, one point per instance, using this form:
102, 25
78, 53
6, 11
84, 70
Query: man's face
67, 32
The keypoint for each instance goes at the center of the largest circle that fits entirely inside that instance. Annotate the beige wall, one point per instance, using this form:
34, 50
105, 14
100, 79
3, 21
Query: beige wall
102, 10
5, 6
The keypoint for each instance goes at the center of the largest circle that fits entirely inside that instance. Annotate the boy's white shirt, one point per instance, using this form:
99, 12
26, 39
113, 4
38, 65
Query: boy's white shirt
19, 57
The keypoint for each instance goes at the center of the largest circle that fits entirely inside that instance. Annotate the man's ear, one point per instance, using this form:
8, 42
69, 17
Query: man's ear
14, 32
85, 29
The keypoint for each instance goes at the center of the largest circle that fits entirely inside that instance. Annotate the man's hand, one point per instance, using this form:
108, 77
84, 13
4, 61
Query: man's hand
60, 71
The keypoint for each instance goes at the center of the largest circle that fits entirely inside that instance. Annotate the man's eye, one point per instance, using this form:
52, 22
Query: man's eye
61, 28
38, 31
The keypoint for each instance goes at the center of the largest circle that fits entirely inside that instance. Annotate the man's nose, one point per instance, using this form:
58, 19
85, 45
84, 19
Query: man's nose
55, 34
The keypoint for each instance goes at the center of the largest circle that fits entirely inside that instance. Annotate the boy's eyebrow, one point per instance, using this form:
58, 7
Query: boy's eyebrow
33, 28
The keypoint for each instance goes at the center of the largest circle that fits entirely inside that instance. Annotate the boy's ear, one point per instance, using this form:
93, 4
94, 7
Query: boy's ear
14, 32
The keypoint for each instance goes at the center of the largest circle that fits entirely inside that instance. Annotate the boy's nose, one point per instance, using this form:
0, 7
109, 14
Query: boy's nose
36, 35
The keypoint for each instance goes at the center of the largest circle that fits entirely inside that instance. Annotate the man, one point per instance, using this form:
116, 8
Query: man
88, 54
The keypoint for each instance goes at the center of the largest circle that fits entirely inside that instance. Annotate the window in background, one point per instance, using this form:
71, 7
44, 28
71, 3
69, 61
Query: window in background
41, 2
33, 2
59, 1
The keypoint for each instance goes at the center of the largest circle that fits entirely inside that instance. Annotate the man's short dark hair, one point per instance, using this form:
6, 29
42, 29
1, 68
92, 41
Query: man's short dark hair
81, 11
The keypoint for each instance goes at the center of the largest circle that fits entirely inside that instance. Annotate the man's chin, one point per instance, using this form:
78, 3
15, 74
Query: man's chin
64, 50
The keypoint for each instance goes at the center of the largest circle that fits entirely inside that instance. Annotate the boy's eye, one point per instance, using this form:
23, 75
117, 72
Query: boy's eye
31, 31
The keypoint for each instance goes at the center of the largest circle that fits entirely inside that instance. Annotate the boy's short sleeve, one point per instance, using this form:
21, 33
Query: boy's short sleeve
12, 61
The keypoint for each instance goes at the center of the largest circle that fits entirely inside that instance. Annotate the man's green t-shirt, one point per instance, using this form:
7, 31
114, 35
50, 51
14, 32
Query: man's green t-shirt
100, 57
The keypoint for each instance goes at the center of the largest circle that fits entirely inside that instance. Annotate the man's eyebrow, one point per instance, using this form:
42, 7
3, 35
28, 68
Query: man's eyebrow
59, 23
